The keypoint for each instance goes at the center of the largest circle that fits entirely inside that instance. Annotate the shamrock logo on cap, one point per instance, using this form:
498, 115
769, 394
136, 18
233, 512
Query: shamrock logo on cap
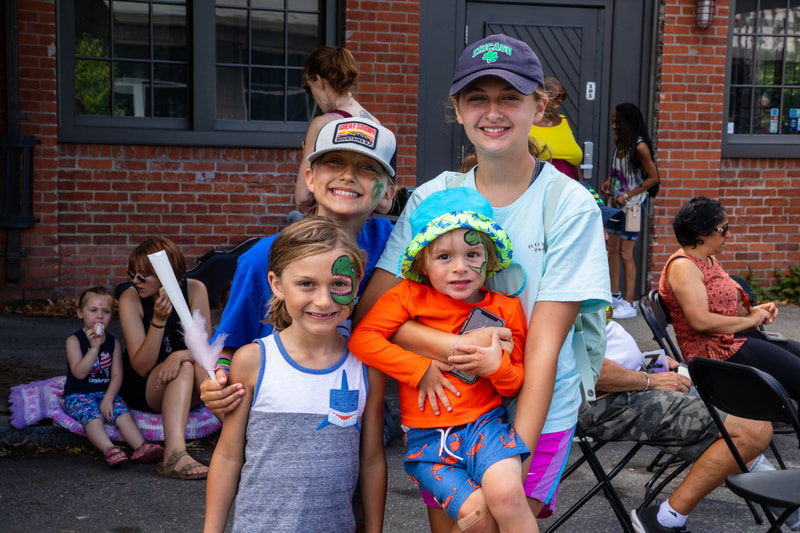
490, 56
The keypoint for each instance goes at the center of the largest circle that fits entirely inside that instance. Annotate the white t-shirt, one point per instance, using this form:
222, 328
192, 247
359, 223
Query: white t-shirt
575, 268
621, 347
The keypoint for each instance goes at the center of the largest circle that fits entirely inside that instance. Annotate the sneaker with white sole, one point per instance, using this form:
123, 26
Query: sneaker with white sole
624, 310
646, 521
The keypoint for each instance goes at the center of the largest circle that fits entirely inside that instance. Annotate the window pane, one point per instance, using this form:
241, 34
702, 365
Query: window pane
267, 38
232, 36
233, 3
767, 110
769, 61
131, 30
772, 18
304, 5
131, 89
793, 18
91, 29
299, 105
170, 91
271, 4
92, 87
267, 96
792, 61
232, 93
169, 32
742, 59
791, 112
739, 112
304, 37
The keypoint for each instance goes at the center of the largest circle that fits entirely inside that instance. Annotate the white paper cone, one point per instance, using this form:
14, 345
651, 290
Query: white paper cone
166, 276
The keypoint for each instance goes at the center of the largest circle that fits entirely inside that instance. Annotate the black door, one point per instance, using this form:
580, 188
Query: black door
569, 42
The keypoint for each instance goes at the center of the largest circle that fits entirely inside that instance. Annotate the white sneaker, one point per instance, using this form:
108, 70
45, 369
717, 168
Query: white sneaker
624, 310
616, 300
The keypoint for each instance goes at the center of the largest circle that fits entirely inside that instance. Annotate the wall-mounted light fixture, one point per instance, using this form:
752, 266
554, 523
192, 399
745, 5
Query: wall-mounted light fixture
704, 14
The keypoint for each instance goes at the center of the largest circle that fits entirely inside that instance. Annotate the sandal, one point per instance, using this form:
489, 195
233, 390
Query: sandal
148, 452
114, 456
168, 468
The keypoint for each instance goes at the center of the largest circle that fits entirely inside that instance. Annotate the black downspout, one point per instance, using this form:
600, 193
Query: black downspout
17, 155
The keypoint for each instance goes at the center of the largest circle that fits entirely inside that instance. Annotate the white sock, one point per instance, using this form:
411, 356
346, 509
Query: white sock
669, 517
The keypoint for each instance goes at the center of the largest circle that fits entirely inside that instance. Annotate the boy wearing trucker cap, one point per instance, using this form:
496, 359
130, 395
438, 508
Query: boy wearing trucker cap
352, 171
473, 448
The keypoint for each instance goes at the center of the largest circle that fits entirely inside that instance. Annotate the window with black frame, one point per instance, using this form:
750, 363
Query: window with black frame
176, 72
763, 93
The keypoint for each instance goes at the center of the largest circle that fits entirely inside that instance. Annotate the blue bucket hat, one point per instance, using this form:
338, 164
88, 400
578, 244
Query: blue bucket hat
502, 56
447, 210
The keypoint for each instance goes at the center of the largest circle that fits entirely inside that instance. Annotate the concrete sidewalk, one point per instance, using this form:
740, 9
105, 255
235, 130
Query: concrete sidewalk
49, 492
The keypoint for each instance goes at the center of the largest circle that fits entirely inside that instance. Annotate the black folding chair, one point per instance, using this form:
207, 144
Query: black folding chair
657, 318
589, 447
720, 385
216, 269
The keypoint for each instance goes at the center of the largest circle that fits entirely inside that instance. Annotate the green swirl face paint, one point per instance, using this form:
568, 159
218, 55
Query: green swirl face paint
473, 238
344, 271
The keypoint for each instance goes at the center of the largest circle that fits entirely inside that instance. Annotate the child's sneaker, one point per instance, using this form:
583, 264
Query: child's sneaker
624, 310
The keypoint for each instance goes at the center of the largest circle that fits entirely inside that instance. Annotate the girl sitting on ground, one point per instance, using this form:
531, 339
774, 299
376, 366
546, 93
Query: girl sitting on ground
94, 377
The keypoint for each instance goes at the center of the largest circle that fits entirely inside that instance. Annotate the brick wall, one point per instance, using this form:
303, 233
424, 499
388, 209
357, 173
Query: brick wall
762, 196
97, 202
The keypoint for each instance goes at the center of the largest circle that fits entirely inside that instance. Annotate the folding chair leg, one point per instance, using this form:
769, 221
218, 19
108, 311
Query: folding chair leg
776, 454
603, 482
651, 493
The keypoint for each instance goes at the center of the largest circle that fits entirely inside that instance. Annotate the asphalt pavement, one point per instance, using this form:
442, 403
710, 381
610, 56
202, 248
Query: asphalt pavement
53, 481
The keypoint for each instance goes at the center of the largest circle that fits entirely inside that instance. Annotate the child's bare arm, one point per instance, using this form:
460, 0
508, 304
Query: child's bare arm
373, 471
228, 458
80, 363
116, 372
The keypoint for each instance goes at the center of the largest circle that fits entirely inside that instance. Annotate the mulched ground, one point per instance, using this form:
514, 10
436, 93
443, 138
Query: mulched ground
65, 308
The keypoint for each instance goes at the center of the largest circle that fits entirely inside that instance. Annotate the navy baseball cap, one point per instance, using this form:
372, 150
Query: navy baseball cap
502, 56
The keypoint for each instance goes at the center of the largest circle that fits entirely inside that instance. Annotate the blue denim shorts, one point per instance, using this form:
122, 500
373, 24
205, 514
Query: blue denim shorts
617, 227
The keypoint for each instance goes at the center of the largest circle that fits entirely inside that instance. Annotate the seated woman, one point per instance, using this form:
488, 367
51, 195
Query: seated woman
160, 375
710, 312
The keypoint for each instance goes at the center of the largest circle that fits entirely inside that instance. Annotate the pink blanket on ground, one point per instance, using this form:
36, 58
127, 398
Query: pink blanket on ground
32, 402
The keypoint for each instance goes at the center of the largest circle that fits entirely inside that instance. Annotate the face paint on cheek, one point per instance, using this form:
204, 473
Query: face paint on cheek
472, 238
344, 270
377, 189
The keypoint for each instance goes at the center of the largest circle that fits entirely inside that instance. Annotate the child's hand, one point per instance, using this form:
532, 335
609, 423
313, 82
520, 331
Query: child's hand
483, 337
96, 341
218, 399
477, 359
432, 387
107, 409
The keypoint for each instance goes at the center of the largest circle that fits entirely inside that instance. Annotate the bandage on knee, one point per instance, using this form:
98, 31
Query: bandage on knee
469, 520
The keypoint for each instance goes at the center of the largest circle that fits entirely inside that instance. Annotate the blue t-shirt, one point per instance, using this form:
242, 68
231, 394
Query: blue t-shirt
243, 318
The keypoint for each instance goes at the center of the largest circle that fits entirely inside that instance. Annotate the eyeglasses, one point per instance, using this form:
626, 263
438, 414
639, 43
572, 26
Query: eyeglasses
560, 97
724, 230
304, 84
138, 277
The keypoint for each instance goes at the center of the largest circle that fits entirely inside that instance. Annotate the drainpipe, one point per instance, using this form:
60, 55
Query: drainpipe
16, 185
